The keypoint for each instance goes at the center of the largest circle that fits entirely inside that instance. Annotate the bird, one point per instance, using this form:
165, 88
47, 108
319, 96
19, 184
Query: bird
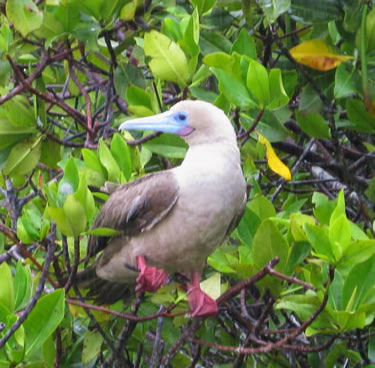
171, 221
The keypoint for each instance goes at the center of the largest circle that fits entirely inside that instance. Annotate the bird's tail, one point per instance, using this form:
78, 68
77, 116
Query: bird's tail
99, 290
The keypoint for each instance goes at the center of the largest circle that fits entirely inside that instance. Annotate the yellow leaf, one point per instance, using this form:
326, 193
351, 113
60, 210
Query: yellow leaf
78, 311
212, 286
317, 55
274, 163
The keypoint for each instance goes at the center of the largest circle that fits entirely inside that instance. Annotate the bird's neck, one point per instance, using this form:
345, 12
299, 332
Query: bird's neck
211, 155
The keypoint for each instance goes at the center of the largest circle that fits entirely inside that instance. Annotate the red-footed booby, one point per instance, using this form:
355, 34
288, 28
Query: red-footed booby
171, 221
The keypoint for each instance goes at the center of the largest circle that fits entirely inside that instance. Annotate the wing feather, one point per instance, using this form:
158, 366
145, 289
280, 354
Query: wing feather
136, 207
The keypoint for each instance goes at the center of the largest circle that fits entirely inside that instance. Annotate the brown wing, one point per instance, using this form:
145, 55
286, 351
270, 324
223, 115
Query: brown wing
136, 207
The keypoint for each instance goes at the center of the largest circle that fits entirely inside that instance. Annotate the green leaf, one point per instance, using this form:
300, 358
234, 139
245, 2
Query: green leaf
273, 9
313, 125
349, 321
319, 239
75, 214
358, 115
92, 161
23, 157
168, 61
297, 223
317, 12
223, 61
257, 82
203, 5
28, 226
298, 252
43, 320
7, 298
190, 40
167, 145
125, 75
108, 162
121, 153
84, 196
213, 42
69, 182
128, 10
358, 282
310, 102
269, 243
103, 231
245, 45
233, 89
278, 96
248, 226
25, 15
346, 83
92, 343
262, 207
51, 26
136, 96
22, 285
171, 28
323, 207
19, 112
58, 215
51, 153
340, 207
303, 305
340, 233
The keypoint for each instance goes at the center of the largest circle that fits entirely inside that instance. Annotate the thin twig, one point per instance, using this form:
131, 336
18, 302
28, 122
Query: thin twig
38, 292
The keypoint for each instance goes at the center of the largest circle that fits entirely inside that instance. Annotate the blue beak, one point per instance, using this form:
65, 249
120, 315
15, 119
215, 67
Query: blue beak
167, 122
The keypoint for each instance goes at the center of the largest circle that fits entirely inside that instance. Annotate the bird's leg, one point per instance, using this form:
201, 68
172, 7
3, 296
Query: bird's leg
149, 278
200, 303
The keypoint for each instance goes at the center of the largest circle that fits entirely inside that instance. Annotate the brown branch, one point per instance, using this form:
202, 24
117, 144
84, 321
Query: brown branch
10, 234
270, 346
147, 138
291, 279
59, 141
130, 317
73, 270
26, 83
195, 324
35, 298
245, 135
90, 131
37, 72
242, 284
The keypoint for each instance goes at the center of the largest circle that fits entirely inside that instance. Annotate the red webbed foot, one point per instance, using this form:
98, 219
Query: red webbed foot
201, 304
149, 278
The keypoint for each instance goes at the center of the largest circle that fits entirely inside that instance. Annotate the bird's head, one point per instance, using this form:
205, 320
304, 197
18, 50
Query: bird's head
195, 121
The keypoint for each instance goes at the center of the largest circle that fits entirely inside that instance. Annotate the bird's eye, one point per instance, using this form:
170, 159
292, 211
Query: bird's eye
181, 117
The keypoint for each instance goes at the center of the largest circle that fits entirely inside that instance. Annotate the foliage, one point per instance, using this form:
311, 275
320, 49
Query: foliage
295, 281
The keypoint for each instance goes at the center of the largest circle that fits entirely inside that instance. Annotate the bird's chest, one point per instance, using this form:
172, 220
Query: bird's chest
200, 220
